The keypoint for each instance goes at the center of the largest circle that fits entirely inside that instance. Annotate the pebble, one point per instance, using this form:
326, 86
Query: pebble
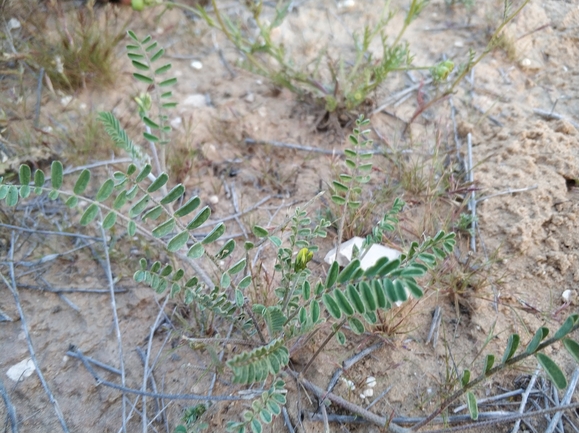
213, 199
13, 23
176, 122
196, 64
196, 100
65, 100
346, 4
21, 370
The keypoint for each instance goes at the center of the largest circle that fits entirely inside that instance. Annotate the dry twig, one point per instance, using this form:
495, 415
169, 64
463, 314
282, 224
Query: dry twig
14, 289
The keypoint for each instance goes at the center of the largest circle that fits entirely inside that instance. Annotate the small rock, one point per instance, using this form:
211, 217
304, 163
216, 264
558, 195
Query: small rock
459, 44
176, 122
569, 297
65, 100
21, 370
213, 199
196, 100
13, 24
346, 4
196, 64
371, 382
250, 97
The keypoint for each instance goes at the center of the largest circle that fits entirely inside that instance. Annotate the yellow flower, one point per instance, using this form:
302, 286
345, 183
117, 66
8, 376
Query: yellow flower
304, 256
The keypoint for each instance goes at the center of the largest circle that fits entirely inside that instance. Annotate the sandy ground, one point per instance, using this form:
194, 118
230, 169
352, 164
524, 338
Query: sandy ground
521, 108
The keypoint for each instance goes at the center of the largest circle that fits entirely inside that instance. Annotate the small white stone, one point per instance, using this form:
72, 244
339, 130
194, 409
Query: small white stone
65, 100
21, 370
525, 63
196, 100
47, 129
346, 4
82, 106
196, 64
176, 122
368, 392
262, 111
159, 31
213, 199
250, 97
371, 382
459, 44
13, 23
260, 83
569, 296
349, 384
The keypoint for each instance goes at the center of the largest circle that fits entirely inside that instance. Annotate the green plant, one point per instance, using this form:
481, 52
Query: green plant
340, 84
138, 199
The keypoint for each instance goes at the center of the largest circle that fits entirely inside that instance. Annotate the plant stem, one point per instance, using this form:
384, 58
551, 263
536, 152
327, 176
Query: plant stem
482, 377
326, 341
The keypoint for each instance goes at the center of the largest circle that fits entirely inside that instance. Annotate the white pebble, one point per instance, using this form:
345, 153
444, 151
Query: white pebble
213, 199
176, 122
196, 100
371, 382
13, 23
567, 296
196, 64
21, 370
65, 100
346, 4
369, 392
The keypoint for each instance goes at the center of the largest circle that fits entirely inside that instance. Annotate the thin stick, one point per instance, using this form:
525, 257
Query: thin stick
472, 201
57, 290
565, 401
349, 419
124, 389
49, 232
221, 340
551, 115
373, 418
9, 409
491, 399
508, 191
153, 384
434, 327
13, 288
504, 419
111, 281
287, 420
95, 362
325, 418
377, 399
146, 363
399, 95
